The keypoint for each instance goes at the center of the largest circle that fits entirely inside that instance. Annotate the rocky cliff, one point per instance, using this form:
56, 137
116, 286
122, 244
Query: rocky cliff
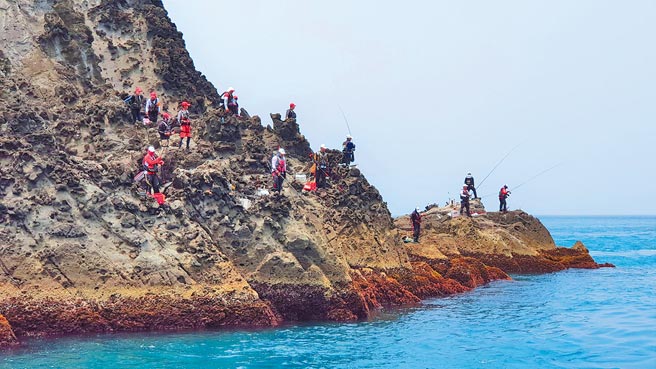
81, 250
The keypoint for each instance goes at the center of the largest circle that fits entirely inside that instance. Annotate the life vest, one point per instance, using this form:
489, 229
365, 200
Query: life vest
154, 105
183, 117
503, 193
415, 217
282, 166
321, 159
150, 163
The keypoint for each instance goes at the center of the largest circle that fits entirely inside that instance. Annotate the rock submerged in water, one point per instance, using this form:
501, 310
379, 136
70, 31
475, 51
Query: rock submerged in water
81, 251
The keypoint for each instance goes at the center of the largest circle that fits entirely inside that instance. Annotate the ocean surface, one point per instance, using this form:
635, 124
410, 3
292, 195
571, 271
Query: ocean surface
574, 319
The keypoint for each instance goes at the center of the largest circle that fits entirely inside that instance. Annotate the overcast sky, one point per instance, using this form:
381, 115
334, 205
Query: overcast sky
434, 89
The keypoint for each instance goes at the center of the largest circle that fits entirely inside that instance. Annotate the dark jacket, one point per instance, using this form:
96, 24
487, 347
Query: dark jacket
415, 217
469, 181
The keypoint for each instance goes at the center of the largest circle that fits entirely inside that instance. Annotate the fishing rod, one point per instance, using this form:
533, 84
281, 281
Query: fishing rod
497, 165
345, 120
530, 179
537, 175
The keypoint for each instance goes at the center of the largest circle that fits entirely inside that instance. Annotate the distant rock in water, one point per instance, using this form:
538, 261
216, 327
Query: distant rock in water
82, 251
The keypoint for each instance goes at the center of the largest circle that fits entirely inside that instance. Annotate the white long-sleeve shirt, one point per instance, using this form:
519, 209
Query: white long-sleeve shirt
150, 103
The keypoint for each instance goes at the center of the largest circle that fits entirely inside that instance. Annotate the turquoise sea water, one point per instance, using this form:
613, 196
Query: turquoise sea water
574, 319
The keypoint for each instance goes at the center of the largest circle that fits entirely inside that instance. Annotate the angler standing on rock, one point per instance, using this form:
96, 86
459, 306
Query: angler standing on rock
464, 200
185, 123
503, 195
278, 169
152, 107
290, 114
321, 165
164, 130
151, 162
348, 150
136, 104
469, 181
415, 217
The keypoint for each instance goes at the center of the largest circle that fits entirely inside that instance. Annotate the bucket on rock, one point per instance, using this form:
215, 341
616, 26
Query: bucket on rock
159, 197
310, 186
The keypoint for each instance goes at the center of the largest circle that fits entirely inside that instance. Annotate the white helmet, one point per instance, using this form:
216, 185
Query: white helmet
417, 209
231, 89
323, 146
349, 137
282, 151
151, 149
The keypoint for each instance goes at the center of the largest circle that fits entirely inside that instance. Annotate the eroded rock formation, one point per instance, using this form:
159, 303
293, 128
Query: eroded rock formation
82, 251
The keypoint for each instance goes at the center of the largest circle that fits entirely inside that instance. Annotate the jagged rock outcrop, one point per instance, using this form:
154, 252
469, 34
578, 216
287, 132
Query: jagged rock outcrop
81, 248
515, 242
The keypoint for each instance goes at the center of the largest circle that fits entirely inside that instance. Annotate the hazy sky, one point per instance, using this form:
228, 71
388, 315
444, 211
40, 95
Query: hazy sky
434, 89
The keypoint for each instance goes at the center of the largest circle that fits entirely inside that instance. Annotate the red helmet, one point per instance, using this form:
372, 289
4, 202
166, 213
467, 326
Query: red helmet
292, 105
138, 90
185, 104
166, 116
153, 95
235, 97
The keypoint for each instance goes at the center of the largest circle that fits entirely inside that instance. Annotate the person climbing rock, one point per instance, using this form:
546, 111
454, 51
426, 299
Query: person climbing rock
136, 103
151, 163
185, 123
469, 181
321, 165
228, 99
503, 195
164, 129
464, 201
278, 169
348, 150
415, 217
152, 107
290, 114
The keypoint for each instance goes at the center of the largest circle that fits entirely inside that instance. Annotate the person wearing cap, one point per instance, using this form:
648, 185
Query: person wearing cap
278, 169
321, 165
503, 195
164, 130
136, 103
185, 123
228, 99
469, 181
464, 201
290, 114
415, 217
151, 163
152, 107
348, 150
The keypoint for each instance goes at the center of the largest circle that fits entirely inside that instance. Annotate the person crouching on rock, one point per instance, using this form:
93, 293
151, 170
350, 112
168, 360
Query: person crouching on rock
136, 104
278, 170
290, 114
321, 165
164, 130
415, 217
464, 200
152, 107
503, 195
151, 162
185, 124
348, 150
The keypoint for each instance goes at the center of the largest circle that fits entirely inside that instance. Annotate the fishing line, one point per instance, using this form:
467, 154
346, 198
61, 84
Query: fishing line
497, 165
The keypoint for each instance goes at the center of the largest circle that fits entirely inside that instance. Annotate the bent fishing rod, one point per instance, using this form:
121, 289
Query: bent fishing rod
496, 166
530, 179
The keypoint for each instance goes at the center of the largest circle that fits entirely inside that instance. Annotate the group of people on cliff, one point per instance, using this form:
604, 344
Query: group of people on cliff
150, 112
468, 189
